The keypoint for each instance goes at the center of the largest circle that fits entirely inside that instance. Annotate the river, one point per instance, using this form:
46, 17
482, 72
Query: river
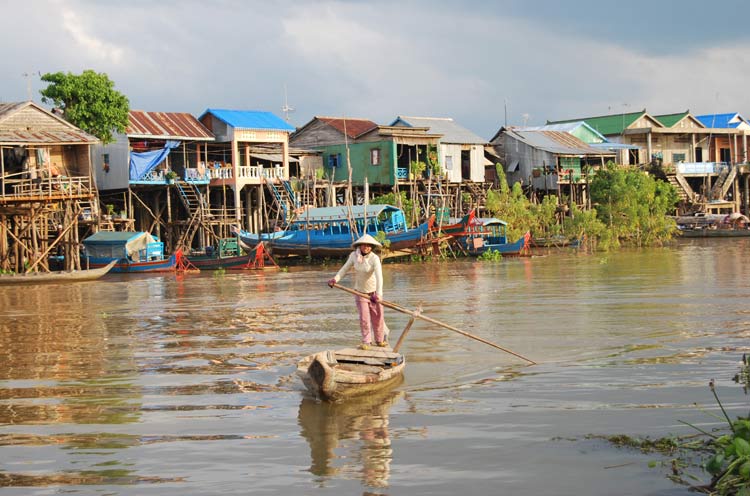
177, 385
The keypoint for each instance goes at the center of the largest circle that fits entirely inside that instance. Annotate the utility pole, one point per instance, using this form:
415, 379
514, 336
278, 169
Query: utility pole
28, 76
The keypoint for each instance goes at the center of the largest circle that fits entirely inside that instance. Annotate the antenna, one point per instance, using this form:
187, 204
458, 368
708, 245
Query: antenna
525, 119
286, 108
28, 76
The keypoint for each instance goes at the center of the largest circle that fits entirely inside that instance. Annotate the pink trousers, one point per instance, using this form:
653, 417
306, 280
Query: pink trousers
370, 317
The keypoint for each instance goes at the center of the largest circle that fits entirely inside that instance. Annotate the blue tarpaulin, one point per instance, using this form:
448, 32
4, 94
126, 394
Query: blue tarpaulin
144, 162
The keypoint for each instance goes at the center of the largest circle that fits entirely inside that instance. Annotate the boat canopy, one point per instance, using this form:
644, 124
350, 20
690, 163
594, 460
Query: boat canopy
343, 213
489, 221
117, 244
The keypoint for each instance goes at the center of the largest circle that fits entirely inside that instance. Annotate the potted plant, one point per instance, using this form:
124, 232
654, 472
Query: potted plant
170, 176
110, 210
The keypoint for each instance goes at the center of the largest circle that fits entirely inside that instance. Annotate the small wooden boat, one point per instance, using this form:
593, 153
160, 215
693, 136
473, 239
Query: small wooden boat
335, 375
56, 277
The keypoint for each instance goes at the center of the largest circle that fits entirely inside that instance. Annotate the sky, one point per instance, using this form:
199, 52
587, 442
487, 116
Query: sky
483, 63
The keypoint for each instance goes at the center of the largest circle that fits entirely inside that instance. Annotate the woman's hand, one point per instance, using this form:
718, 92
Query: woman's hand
331, 283
374, 298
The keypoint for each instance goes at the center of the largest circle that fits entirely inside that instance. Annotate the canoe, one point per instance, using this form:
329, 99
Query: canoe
336, 375
56, 277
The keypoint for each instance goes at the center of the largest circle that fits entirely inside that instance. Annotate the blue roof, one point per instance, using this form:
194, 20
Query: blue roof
721, 121
250, 119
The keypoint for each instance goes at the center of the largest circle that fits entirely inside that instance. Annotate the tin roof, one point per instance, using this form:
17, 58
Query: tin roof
452, 132
354, 127
250, 119
24, 123
166, 125
721, 121
608, 124
670, 120
557, 142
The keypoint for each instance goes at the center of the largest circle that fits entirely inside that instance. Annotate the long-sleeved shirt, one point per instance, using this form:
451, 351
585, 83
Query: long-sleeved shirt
368, 272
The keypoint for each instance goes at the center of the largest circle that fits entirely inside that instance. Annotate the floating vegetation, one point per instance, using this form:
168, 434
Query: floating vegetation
491, 256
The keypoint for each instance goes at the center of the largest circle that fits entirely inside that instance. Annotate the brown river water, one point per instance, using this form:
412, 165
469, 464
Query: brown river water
170, 385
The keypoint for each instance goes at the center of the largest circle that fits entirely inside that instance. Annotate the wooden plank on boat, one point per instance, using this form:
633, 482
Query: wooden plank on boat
373, 353
379, 358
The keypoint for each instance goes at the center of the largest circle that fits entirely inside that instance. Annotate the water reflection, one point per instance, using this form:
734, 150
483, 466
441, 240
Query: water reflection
349, 439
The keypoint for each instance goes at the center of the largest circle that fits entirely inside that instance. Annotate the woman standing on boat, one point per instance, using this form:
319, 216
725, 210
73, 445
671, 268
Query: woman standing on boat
368, 278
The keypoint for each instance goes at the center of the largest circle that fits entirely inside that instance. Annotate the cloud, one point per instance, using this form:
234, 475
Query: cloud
94, 49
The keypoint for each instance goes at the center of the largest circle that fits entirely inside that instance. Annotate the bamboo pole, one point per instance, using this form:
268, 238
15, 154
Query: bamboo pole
418, 315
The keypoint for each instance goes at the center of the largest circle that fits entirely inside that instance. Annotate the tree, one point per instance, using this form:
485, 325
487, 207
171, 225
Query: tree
633, 205
89, 101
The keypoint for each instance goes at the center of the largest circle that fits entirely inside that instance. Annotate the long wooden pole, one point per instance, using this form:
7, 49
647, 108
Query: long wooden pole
418, 315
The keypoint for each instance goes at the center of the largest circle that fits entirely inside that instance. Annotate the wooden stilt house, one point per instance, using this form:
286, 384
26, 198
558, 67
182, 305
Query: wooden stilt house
154, 178
46, 188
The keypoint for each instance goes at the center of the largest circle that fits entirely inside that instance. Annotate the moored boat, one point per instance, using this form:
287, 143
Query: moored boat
56, 277
229, 256
132, 252
477, 235
336, 375
330, 231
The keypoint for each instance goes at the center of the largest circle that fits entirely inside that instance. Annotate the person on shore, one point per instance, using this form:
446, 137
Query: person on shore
368, 278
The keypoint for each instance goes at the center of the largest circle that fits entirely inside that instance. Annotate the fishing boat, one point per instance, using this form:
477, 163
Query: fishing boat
56, 277
477, 235
132, 252
330, 231
337, 375
702, 225
228, 255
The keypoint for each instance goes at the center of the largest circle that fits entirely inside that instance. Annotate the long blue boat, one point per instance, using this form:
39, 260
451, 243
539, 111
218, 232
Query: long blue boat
133, 251
330, 231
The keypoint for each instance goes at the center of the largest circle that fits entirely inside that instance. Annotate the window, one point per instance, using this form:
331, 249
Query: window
105, 162
448, 162
334, 160
375, 156
678, 157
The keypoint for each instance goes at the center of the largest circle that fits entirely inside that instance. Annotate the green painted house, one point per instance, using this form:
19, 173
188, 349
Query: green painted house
379, 155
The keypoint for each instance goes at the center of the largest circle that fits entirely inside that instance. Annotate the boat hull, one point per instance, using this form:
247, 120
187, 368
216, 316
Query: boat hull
206, 262
127, 266
504, 248
314, 244
341, 374
56, 277
714, 233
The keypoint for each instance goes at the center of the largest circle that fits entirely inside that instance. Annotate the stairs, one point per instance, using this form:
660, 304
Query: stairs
684, 191
191, 197
723, 183
284, 198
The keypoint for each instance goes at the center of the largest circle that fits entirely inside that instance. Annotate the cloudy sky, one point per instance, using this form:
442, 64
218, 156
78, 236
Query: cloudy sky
475, 61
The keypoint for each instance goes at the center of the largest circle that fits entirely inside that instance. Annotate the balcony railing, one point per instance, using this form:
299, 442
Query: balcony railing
15, 187
247, 172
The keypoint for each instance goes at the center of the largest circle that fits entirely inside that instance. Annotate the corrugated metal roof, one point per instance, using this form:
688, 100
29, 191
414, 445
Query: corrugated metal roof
555, 142
166, 125
721, 121
341, 212
354, 127
568, 127
250, 119
670, 120
608, 124
452, 132
53, 130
